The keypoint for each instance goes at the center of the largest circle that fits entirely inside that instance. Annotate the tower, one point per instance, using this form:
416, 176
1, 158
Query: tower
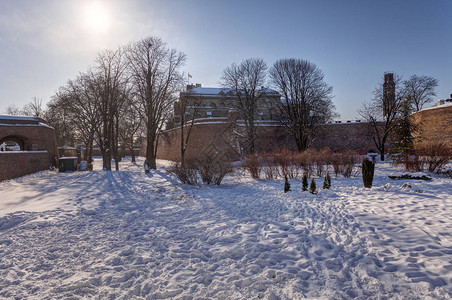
388, 94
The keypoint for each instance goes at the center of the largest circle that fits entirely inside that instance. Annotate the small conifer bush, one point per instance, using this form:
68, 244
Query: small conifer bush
327, 181
368, 168
286, 184
304, 181
313, 187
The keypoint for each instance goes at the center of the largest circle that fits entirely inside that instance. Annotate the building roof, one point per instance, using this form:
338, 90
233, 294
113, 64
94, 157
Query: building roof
211, 91
11, 120
18, 118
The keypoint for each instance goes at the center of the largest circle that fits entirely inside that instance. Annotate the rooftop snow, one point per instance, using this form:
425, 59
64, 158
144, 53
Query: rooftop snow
21, 118
438, 106
217, 91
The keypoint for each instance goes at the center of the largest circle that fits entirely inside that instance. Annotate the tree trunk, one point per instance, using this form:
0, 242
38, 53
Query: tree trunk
85, 154
132, 152
150, 153
115, 142
106, 148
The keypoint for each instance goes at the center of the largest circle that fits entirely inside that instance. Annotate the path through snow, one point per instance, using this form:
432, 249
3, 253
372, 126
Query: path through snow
122, 235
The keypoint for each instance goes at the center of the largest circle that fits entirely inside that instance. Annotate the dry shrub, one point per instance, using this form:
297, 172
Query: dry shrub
336, 162
306, 161
413, 163
212, 169
186, 174
253, 165
269, 167
435, 155
344, 163
322, 160
287, 164
350, 159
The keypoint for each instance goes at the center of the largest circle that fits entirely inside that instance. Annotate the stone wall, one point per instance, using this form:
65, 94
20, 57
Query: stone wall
204, 139
37, 141
35, 137
433, 125
16, 164
225, 136
345, 136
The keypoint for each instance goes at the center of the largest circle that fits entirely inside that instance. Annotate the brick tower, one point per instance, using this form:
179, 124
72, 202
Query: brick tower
388, 95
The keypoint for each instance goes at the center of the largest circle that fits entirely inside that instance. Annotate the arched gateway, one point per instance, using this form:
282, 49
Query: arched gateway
27, 145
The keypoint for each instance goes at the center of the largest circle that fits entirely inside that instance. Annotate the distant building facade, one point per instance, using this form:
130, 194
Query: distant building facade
217, 126
434, 124
208, 103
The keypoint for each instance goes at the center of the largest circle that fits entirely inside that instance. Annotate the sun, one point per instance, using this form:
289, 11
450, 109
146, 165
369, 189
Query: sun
96, 17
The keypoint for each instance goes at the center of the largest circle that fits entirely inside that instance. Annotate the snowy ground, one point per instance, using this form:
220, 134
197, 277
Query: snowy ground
121, 235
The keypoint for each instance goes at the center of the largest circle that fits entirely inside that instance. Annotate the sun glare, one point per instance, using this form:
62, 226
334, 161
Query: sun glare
96, 17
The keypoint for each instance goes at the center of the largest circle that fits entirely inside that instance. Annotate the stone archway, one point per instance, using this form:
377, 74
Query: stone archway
19, 140
36, 144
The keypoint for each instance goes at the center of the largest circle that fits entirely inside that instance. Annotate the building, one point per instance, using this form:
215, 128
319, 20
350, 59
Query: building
218, 103
218, 128
388, 94
434, 125
34, 146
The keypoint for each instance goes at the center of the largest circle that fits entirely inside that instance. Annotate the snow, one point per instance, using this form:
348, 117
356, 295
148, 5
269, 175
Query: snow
21, 118
216, 91
22, 152
438, 106
127, 234
208, 91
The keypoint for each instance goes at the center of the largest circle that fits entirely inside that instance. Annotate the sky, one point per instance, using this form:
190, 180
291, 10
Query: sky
45, 43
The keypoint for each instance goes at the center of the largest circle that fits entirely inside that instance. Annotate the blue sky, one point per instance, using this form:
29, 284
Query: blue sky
45, 43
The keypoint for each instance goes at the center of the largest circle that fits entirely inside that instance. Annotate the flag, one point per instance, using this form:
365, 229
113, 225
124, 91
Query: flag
189, 75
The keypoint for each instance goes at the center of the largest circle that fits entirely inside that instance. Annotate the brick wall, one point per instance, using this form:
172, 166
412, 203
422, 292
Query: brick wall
344, 136
16, 164
434, 125
222, 136
36, 138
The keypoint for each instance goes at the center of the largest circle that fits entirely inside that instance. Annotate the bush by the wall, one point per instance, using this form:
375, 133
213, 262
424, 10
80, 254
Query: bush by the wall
435, 155
287, 164
344, 163
187, 174
212, 169
413, 163
253, 165
269, 166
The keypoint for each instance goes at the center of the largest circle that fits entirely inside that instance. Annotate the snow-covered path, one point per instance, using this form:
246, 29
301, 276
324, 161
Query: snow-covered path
125, 234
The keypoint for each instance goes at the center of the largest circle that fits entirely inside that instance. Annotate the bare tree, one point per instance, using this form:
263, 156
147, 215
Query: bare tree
187, 109
58, 115
131, 124
13, 110
421, 90
34, 108
383, 111
246, 80
154, 71
111, 84
80, 101
307, 98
